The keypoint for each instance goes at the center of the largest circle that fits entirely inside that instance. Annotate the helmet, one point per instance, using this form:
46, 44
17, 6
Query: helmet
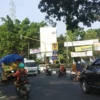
21, 65
79, 62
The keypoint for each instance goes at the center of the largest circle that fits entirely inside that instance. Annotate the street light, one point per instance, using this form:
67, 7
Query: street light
21, 36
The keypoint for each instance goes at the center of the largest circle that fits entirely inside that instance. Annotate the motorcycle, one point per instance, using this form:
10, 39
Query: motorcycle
60, 73
72, 75
23, 89
48, 72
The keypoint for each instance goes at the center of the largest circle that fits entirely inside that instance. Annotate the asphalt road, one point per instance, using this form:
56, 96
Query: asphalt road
49, 88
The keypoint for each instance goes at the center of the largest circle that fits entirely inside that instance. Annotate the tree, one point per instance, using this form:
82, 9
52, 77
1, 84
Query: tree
90, 34
72, 11
61, 40
98, 33
10, 32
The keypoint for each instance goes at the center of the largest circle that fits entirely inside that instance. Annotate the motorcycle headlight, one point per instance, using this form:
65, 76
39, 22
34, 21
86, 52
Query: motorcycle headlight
12, 71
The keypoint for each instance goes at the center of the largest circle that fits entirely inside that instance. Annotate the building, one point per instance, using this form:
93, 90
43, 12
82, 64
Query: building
48, 36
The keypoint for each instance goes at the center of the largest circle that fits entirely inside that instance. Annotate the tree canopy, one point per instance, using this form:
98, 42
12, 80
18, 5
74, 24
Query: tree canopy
72, 11
10, 32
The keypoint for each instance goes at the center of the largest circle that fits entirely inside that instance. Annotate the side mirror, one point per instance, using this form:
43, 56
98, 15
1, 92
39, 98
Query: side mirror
88, 67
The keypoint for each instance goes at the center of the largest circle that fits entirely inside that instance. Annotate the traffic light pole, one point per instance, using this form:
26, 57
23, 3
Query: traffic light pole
21, 36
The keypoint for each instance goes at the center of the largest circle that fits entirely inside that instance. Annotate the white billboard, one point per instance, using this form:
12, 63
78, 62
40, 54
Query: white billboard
80, 43
81, 54
48, 35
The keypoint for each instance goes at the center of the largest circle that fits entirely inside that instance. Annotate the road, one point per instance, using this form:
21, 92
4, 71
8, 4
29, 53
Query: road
49, 88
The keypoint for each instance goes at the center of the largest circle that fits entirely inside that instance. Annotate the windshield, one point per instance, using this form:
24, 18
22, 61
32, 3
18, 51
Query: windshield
30, 64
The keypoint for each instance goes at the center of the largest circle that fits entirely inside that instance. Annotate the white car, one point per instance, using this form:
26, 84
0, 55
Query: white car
31, 67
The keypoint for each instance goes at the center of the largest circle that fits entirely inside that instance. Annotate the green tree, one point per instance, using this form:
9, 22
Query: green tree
90, 34
10, 32
98, 33
61, 40
72, 11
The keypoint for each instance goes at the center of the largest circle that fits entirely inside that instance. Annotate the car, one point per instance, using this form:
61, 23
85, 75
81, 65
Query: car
31, 67
90, 77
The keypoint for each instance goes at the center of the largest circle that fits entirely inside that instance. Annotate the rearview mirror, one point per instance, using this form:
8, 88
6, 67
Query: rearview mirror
88, 67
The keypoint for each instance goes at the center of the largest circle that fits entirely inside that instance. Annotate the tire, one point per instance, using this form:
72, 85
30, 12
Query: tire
27, 95
85, 87
0, 78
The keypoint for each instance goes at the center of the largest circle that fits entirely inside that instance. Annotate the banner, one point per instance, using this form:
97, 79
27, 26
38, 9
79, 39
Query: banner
84, 48
81, 54
80, 43
33, 51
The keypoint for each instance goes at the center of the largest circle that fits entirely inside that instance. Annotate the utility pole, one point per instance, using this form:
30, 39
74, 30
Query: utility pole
28, 50
21, 36
67, 56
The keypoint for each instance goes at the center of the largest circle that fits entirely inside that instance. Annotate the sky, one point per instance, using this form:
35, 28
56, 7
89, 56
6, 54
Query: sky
29, 9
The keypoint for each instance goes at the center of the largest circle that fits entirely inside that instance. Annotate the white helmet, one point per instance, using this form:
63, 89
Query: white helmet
79, 62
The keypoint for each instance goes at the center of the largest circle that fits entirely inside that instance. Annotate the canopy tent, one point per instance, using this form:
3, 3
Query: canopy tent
10, 58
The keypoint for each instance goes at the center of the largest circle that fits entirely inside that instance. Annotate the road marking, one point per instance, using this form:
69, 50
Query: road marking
2, 97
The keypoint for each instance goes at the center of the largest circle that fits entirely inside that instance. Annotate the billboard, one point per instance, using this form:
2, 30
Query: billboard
81, 54
80, 43
54, 51
83, 48
97, 46
48, 35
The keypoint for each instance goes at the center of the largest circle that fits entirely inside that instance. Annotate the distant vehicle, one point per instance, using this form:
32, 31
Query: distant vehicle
48, 71
90, 77
31, 67
8, 64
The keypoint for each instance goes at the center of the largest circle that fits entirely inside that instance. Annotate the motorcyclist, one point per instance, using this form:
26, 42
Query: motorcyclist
48, 70
62, 69
73, 71
21, 72
79, 68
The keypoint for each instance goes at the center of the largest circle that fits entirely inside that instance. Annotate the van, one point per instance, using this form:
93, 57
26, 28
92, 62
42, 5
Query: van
31, 67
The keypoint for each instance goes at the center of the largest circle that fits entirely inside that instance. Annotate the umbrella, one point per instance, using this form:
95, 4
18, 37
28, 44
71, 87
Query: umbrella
11, 58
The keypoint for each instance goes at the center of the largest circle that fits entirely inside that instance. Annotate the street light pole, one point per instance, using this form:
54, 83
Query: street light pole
67, 49
38, 41
28, 50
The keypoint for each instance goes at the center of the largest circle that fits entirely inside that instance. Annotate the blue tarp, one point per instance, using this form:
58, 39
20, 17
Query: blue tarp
11, 58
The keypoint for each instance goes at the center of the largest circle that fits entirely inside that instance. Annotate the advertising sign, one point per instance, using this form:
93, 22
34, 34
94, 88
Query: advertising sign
97, 46
84, 48
81, 54
80, 43
54, 51
54, 46
33, 51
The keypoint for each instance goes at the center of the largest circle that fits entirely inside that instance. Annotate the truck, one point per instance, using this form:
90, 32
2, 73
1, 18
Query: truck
8, 64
